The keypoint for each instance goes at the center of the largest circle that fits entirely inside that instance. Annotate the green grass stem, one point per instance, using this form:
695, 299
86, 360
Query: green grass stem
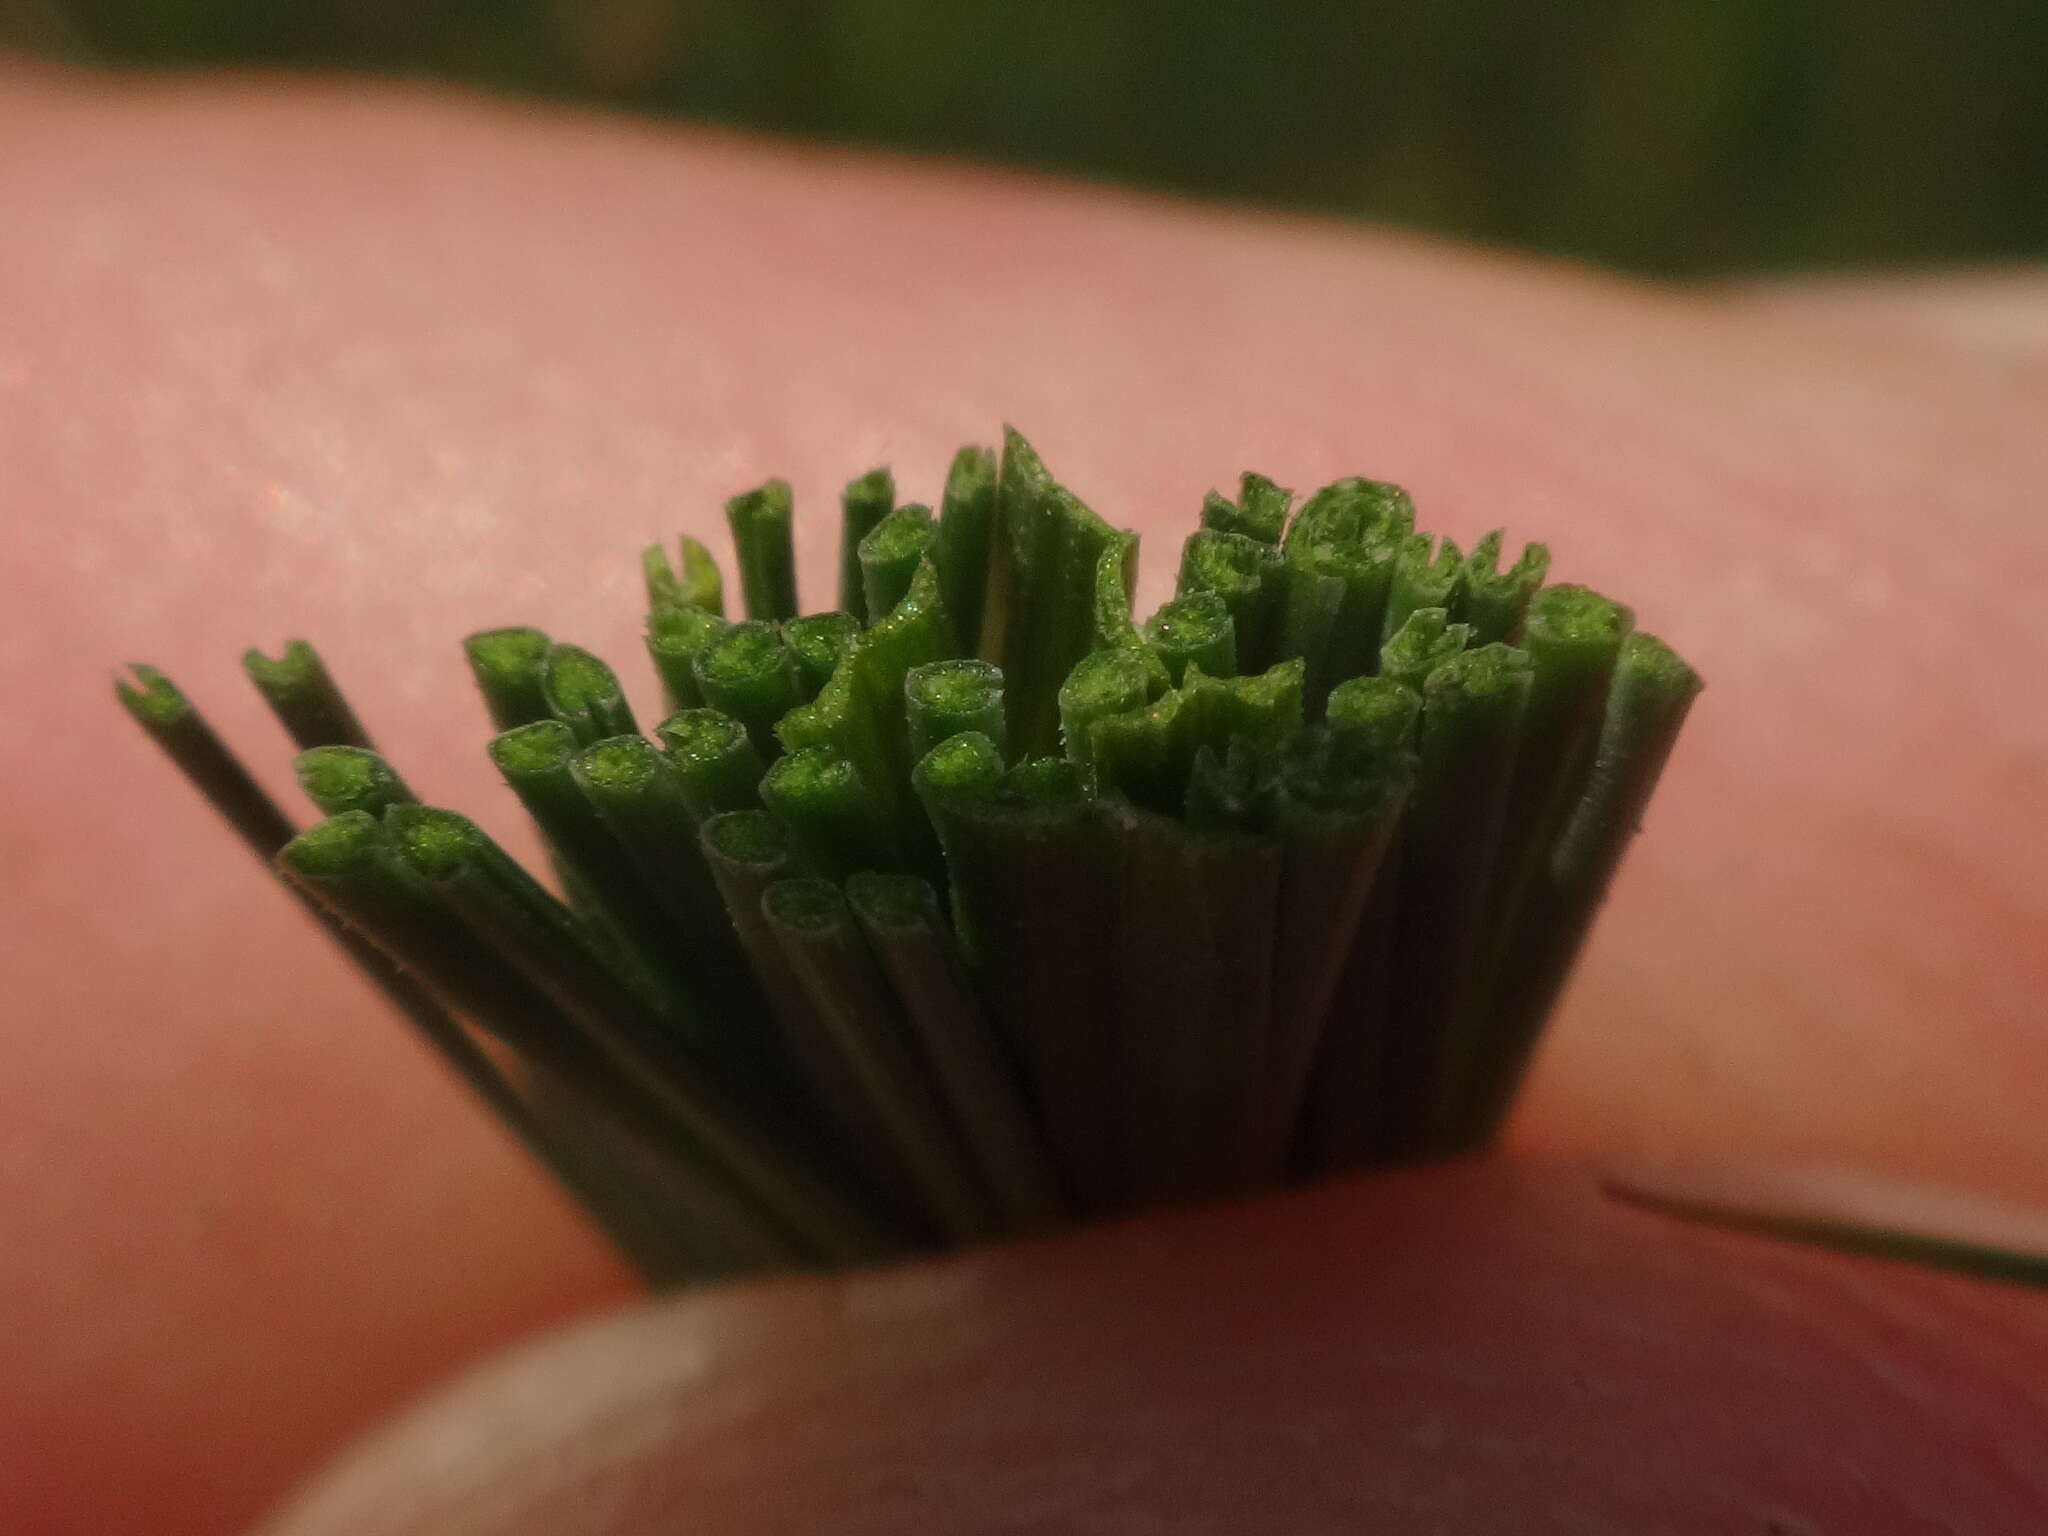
507, 665
1472, 713
1647, 701
1192, 1018
303, 695
945, 698
338, 779
889, 557
1197, 631
1033, 894
1494, 601
714, 760
901, 918
820, 641
961, 550
764, 541
1422, 580
750, 673
584, 694
863, 506
1249, 575
695, 582
823, 946
676, 637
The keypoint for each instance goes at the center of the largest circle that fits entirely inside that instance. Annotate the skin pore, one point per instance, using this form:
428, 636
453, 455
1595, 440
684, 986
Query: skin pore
382, 367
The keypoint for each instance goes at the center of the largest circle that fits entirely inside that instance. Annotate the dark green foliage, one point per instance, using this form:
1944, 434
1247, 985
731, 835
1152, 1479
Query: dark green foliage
1705, 137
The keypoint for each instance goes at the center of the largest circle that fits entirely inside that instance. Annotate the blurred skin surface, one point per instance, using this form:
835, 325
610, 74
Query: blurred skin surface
380, 368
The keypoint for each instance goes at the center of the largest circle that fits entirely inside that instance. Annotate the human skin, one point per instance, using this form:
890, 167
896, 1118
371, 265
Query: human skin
381, 367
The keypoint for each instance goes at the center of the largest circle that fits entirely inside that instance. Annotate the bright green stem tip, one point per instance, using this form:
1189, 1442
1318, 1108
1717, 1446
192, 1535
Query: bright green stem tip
578, 683
744, 653
507, 654
1194, 631
761, 523
1424, 642
960, 687
341, 779
436, 843
297, 666
748, 837
1578, 615
151, 697
701, 735
945, 698
536, 748
967, 766
1378, 711
1478, 674
337, 846
820, 641
621, 764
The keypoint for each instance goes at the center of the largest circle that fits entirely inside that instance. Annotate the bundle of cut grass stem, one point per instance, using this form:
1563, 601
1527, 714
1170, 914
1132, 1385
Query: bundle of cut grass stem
975, 906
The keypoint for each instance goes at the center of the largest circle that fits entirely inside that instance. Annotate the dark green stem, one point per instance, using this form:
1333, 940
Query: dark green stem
1048, 554
1426, 640
537, 761
698, 585
1335, 823
584, 694
714, 760
339, 779
1421, 580
187, 740
1104, 685
825, 950
1260, 511
1573, 638
944, 698
639, 794
1494, 601
751, 1182
960, 551
1194, 631
820, 642
1341, 1122
764, 542
620, 1210
750, 673
1249, 576
1193, 1021
676, 637
862, 507
900, 916
1647, 702
889, 556
1472, 712
862, 712
1033, 891
839, 825
305, 698
508, 665
749, 852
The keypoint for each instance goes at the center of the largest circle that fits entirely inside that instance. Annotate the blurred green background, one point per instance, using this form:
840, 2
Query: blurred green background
1689, 136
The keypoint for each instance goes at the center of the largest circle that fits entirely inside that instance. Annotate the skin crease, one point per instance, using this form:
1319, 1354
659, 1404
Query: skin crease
382, 367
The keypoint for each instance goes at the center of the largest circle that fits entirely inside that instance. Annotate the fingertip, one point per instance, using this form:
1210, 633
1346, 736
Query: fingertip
1486, 1348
